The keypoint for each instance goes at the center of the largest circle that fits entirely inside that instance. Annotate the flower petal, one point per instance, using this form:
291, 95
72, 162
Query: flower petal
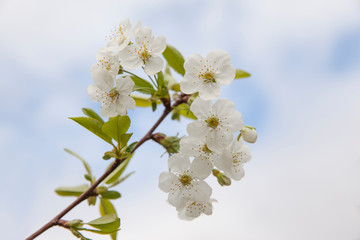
194, 63
179, 163
224, 162
219, 58
200, 168
189, 86
191, 146
94, 92
233, 122
199, 191
144, 36
166, 180
209, 91
223, 107
225, 75
237, 173
201, 108
129, 58
218, 140
153, 65
109, 110
158, 46
124, 86
127, 102
197, 129
103, 79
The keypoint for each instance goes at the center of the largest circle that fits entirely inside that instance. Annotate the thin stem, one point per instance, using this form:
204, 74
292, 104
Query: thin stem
90, 192
131, 73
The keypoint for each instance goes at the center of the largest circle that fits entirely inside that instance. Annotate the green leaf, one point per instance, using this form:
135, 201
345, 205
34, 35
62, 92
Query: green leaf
116, 126
107, 223
176, 87
86, 165
131, 147
143, 101
143, 86
72, 191
184, 110
96, 231
111, 195
106, 207
160, 80
174, 59
121, 180
117, 172
124, 139
153, 106
93, 126
91, 113
241, 74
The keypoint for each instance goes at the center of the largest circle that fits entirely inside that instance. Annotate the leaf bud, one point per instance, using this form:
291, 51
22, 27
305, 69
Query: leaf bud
91, 200
101, 189
75, 223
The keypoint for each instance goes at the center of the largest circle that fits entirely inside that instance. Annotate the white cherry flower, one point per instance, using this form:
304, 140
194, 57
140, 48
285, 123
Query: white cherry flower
106, 60
115, 99
193, 209
233, 158
205, 75
185, 181
196, 147
216, 122
146, 51
121, 35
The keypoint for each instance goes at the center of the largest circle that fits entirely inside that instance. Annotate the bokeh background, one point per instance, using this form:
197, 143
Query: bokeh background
303, 181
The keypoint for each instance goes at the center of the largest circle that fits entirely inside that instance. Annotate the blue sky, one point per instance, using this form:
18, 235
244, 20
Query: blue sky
304, 57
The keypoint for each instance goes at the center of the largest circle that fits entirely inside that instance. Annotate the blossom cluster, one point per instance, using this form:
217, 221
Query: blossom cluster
210, 145
126, 48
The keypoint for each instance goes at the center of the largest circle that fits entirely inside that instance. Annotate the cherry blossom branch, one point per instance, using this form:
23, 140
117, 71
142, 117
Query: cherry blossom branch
90, 192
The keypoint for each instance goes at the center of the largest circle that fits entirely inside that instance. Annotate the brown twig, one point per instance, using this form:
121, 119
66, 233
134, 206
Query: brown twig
90, 192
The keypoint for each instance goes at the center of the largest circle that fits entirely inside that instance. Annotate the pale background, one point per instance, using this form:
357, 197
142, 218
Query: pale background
303, 181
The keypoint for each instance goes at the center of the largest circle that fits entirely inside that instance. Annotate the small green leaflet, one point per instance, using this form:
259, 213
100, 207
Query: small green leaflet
143, 86
116, 126
174, 59
93, 126
86, 165
72, 191
91, 113
241, 74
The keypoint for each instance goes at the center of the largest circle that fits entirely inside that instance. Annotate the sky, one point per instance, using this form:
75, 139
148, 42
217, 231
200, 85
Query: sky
303, 180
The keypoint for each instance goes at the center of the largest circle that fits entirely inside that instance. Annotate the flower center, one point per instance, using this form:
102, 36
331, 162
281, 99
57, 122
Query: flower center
113, 94
212, 122
185, 179
206, 149
144, 54
208, 77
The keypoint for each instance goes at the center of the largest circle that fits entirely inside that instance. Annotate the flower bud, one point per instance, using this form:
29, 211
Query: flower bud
249, 134
222, 179
171, 144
